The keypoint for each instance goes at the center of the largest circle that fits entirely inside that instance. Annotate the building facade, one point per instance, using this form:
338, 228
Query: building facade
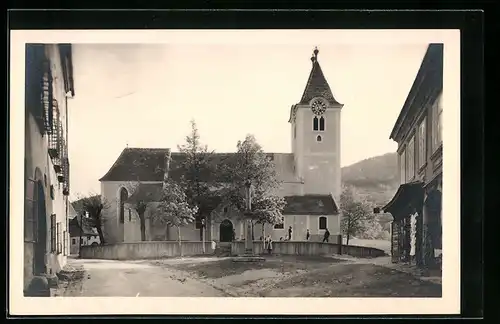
48, 84
310, 177
416, 206
77, 232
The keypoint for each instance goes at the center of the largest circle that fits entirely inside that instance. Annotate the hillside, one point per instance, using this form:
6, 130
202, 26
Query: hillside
375, 178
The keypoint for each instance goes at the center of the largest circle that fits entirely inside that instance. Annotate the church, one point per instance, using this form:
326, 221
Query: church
310, 176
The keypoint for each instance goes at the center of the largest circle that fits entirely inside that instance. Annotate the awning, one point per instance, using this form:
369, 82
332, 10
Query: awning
409, 197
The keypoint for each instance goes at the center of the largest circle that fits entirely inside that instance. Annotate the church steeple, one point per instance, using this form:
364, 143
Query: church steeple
317, 86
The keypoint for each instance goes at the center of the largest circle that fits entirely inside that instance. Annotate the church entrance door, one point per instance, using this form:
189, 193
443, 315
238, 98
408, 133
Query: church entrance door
226, 231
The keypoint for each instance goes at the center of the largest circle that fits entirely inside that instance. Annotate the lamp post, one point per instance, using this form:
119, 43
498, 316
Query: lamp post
248, 221
203, 234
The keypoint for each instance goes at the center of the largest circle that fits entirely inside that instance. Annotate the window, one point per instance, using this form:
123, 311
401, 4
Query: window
315, 124
30, 213
280, 225
318, 138
73, 241
410, 159
59, 238
322, 123
402, 167
123, 198
422, 152
322, 223
437, 127
225, 209
129, 215
64, 242
53, 237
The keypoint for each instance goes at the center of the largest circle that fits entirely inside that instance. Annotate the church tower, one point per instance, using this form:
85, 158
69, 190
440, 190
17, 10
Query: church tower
315, 131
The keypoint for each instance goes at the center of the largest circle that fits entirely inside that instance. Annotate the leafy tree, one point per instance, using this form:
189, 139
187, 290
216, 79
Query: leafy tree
93, 206
143, 198
173, 209
355, 213
198, 180
251, 165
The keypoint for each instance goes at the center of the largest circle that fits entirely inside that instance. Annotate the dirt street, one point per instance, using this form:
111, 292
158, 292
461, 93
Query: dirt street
136, 279
277, 276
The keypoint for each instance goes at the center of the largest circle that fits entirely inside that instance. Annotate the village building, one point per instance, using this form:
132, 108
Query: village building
48, 84
310, 176
416, 206
81, 235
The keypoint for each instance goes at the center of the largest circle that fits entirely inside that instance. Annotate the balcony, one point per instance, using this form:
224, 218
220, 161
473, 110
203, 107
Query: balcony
66, 176
55, 134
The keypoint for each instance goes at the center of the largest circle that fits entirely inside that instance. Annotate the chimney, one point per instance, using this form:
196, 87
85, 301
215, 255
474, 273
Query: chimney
167, 165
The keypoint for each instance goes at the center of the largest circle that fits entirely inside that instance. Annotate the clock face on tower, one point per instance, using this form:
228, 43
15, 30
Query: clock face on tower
318, 107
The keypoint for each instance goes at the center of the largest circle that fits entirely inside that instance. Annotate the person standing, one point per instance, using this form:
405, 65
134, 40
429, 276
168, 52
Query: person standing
269, 243
290, 233
326, 236
308, 235
234, 235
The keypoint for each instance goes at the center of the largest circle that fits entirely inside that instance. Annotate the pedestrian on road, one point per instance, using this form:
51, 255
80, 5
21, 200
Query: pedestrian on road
326, 236
269, 243
308, 235
290, 233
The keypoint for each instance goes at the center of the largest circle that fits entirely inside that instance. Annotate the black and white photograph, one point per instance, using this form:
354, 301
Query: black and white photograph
296, 167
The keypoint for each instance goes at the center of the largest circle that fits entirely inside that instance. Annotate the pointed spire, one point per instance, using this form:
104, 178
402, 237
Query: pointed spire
317, 86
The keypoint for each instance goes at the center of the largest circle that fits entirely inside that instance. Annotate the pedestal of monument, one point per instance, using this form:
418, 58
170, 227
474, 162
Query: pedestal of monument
249, 256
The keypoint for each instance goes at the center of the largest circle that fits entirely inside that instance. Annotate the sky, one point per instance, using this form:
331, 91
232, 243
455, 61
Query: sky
144, 95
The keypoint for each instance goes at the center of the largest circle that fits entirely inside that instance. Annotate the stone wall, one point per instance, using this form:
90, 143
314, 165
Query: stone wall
145, 250
308, 248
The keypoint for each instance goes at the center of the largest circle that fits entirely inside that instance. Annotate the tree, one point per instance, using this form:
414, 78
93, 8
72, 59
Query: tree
142, 198
251, 164
198, 179
93, 206
355, 213
173, 209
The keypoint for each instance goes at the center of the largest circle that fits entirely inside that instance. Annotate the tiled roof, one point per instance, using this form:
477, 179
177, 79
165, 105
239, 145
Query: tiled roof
310, 205
148, 164
144, 164
146, 192
295, 205
74, 228
317, 86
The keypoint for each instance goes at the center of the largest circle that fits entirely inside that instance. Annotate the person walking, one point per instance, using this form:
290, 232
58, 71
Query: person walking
290, 233
326, 236
308, 235
234, 235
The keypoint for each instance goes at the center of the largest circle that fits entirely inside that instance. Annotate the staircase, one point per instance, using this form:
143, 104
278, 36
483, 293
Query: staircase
223, 249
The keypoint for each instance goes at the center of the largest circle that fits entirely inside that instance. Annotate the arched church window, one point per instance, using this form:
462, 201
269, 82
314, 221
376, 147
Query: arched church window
322, 123
123, 198
315, 123
318, 138
322, 223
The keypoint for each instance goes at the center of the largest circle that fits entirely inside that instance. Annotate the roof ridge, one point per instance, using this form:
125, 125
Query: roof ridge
114, 164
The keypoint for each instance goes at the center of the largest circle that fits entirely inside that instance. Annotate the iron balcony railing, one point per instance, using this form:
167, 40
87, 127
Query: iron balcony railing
66, 176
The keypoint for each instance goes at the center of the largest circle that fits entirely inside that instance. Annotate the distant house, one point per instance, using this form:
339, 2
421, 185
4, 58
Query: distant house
77, 230
89, 236
416, 206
